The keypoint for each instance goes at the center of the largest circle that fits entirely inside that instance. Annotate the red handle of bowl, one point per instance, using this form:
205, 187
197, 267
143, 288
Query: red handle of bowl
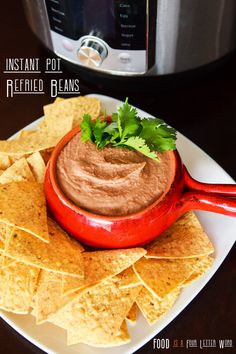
206, 201
206, 196
223, 189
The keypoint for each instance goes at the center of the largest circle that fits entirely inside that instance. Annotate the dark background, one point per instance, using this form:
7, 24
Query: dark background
202, 107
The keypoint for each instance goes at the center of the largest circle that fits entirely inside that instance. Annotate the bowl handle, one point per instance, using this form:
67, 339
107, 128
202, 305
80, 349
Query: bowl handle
223, 189
206, 201
206, 196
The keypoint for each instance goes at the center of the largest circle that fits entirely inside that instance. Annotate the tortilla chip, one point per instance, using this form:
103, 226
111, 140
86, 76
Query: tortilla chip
5, 231
18, 172
60, 118
72, 284
100, 265
54, 115
202, 267
162, 276
24, 133
37, 141
120, 338
128, 279
37, 166
104, 264
184, 239
1, 247
58, 99
97, 312
154, 309
33, 305
71, 108
6, 261
23, 205
132, 314
57, 123
61, 255
47, 295
46, 154
5, 162
17, 286
2, 231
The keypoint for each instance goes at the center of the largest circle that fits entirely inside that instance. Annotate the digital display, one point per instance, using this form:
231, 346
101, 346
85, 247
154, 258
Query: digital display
99, 18
120, 23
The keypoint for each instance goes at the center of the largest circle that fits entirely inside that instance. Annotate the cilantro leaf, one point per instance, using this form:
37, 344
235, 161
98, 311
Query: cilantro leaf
127, 129
129, 121
112, 130
86, 128
98, 128
116, 119
105, 141
157, 134
139, 144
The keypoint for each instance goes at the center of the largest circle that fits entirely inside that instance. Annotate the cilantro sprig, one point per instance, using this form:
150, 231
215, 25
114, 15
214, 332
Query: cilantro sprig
127, 129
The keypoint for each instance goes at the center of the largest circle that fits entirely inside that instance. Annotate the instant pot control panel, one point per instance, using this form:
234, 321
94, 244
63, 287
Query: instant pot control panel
113, 36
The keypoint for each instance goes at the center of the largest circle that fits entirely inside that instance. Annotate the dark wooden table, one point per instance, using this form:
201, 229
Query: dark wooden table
204, 109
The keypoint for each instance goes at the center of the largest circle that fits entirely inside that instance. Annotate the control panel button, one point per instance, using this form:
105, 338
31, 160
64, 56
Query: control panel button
124, 58
67, 45
92, 53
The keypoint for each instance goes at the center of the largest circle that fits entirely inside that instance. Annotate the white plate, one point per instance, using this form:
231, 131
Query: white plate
221, 230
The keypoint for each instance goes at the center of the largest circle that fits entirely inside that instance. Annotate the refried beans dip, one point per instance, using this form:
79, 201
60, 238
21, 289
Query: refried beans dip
111, 181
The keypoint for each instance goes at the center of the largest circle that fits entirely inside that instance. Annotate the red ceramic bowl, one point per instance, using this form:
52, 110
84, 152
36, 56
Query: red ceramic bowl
182, 194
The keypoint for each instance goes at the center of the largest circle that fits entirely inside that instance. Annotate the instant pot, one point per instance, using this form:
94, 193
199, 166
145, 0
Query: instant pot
135, 38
